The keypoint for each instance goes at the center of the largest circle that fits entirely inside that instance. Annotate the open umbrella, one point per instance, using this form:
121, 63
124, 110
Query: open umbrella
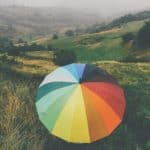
80, 103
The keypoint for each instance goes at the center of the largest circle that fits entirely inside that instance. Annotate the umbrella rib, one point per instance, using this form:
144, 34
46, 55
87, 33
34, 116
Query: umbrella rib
119, 119
50, 90
121, 102
60, 108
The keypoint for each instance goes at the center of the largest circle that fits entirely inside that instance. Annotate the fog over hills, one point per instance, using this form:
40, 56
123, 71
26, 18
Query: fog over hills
19, 17
45, 20
102, 7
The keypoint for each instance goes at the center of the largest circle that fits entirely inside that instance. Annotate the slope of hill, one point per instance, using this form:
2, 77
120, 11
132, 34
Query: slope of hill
104, 45
19, 21
20, 76
119, 21
131, 17
20, 127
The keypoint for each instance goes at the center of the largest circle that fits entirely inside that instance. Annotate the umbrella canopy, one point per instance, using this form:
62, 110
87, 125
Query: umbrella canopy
80, 103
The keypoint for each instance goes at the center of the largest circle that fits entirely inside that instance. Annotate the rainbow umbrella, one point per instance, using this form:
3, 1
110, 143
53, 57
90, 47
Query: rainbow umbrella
80, 103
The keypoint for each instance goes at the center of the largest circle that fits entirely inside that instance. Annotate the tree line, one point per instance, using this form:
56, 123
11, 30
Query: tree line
141, 40
7, 45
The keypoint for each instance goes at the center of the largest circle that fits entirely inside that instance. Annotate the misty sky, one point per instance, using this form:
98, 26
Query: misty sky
107, 7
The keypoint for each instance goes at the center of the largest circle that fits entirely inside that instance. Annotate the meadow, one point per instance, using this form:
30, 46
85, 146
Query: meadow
20, 76
20, 128
105, 45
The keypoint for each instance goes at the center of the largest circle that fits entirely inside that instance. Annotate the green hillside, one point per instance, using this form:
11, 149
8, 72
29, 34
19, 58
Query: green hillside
21, 74
104, 45
21, 129
31, 22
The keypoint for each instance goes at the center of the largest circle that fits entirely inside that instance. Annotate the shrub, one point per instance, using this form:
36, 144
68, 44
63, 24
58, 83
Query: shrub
20, 40
49, 47
63, 57
69, 33
5, 44
128, 37
32, 47
13, 51
35, 47
143, 36
55, 36
4, 57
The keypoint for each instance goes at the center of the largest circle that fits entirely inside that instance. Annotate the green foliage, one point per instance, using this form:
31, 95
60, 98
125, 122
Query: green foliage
21, 129
143, 37
32, 47
90, 40
5, 44
55, 36
13, 51
147, 146
49, 47
96, 28
69, 33
20, 40
35, 47
92, 47
119, 22
63, 57
124, 19
133, 58
105, 45
128, 37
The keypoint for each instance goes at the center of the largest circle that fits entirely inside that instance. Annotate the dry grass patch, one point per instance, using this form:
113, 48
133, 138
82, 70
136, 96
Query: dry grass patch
34, 66
94, 46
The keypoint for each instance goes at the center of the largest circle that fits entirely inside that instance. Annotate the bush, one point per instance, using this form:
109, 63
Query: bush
13, 51
20, 41
49, 47
5, 44
69, 33
143, 36
35, 47
63, 57
32, 47
4, 57
128, 37
55, 36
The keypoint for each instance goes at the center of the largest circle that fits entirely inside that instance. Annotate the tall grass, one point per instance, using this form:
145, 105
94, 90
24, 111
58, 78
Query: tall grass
19, 126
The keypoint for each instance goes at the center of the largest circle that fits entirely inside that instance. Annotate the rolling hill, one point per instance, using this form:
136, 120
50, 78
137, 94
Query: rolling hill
20, 76
21, 21
21, 129
103, 45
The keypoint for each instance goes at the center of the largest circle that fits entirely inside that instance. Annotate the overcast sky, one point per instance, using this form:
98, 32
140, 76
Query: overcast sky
99, 6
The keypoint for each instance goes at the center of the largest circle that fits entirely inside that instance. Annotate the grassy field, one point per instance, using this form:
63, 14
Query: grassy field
20, 76
105, 45
20, 128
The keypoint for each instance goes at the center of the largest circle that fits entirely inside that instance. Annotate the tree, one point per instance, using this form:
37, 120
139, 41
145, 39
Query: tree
13, 51
20, 40
55, 36
49, 47
5, 44
143, 36
63, 57
69, 33
128, 37
123, 19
